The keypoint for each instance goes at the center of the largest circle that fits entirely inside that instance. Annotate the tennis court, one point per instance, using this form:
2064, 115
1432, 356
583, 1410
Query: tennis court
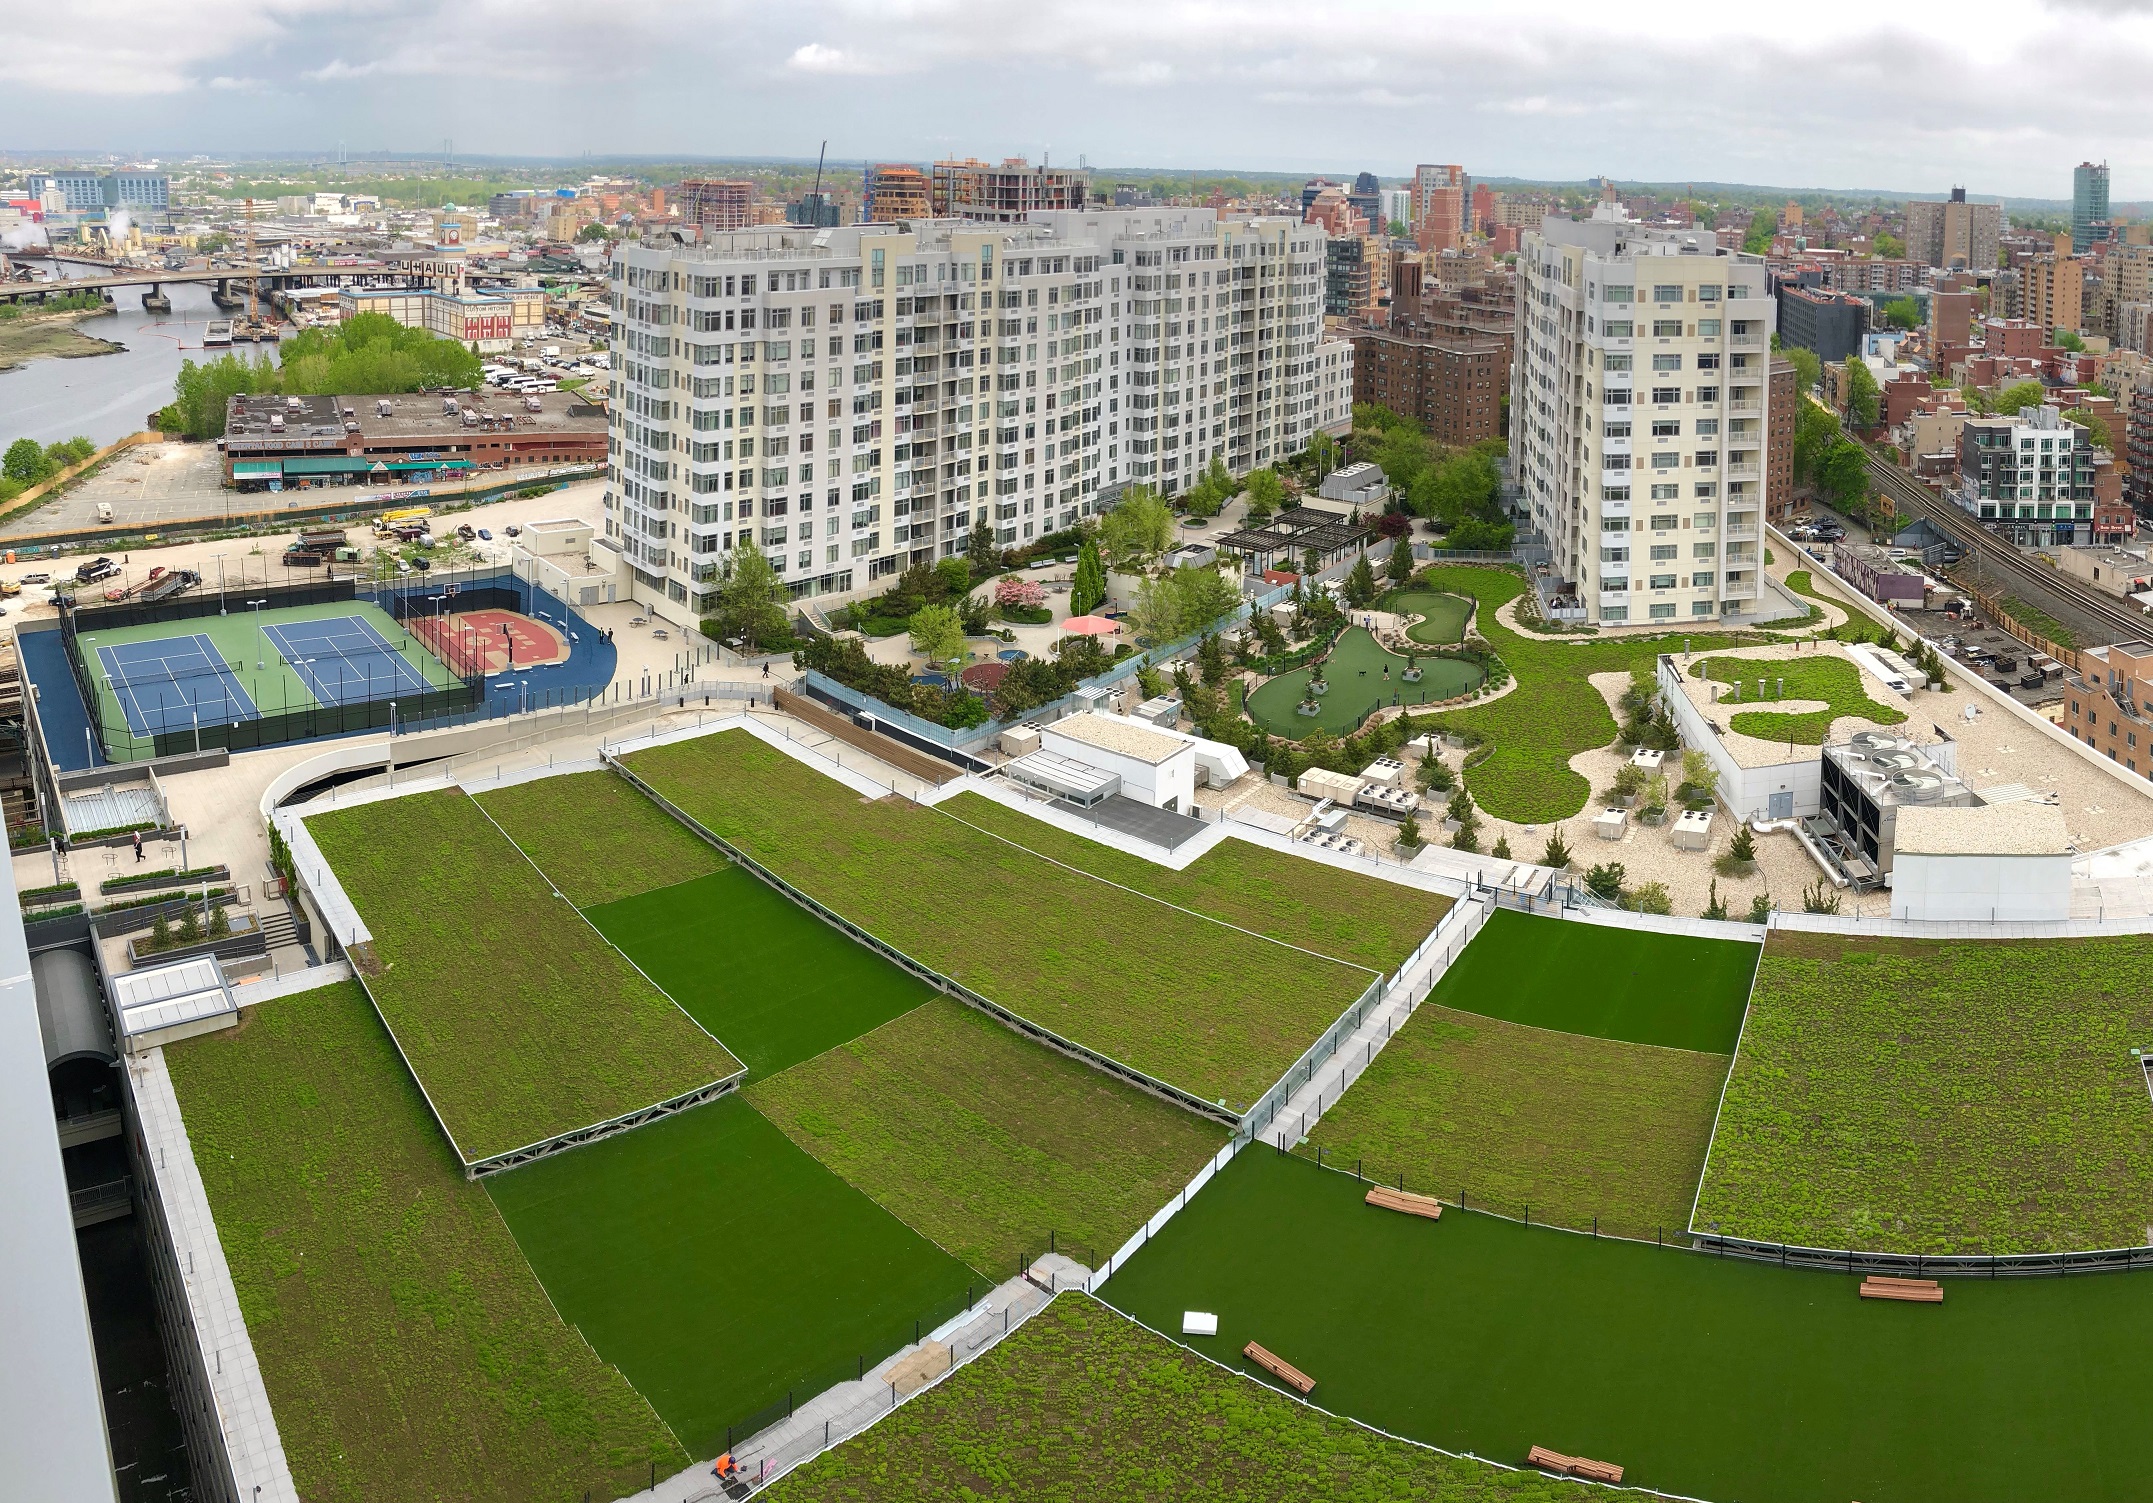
343, 660
172, 683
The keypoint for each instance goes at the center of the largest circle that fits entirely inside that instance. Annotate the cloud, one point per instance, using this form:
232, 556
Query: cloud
816, 58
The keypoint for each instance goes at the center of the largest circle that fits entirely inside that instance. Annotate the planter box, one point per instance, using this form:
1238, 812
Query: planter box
215, 876
1652, 816
138, 920
244, 940
127, 839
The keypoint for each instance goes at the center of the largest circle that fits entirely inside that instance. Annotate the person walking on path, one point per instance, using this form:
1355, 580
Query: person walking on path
766, 670
138, 846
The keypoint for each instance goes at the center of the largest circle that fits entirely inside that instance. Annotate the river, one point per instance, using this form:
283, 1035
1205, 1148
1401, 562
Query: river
107, 397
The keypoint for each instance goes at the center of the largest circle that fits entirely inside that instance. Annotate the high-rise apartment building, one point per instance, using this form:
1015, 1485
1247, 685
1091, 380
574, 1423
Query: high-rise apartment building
2089, 204
1783, 403
2028, 475
1953, 233
717, 205
2055, 291
895, 191
1397, 208
972, 189
855, 400
1439, 202
1638, 399
1452, 387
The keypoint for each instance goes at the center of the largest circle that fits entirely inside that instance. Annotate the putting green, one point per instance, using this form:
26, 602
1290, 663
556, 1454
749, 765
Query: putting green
1363, 676
1443, 617
1709, 1377
717, 1266
1643, 988
754, 967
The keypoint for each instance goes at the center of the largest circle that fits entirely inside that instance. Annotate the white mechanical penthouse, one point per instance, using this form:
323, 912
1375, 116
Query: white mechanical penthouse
856, 399
1637, 415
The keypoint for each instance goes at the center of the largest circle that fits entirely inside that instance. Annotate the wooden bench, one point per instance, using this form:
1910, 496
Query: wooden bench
1406, 1201
1917, 1291
1573, 1466
1279, 1368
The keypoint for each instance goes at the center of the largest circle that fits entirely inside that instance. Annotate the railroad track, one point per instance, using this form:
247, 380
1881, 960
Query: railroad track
1911, 496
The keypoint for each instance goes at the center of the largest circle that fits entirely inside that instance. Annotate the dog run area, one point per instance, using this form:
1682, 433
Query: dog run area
1714, 1378
214, 670
1362, 676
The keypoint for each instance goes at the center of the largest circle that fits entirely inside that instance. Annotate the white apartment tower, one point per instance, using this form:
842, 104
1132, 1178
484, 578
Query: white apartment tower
856, 399
1637, 415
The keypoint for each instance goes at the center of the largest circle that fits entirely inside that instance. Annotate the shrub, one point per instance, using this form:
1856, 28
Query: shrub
1817, 898
1760, 908
1409, 830
1715, 906
1630, 781
1467, 839
160, 933
190, 926
1501, 850
1557, 854
220, 923
1605, 882
1741, 855
1649, 897
1011, 591
1435, 775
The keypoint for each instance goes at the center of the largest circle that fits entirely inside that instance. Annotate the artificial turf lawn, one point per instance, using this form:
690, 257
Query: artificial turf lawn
1355, 672
1080, 1405
406, 1347
985, 1141
1443, 616
598, 838
719, 1266
756, 969
1712, 1377
1554, 713
1826, 677
1204, 1007
274, 687
1927, 1096
1630, 984
518, 1018
1344, 914
1525, 1122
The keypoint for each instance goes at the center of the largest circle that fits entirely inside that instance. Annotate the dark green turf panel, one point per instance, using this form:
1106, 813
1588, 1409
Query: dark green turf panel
1710, 1377
774, 983
717, 1265
1665, 989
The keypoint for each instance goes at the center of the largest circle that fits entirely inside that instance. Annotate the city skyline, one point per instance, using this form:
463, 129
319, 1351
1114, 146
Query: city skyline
2011, 102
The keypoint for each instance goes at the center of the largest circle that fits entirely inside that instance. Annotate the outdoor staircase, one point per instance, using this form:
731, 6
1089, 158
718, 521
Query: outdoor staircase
278, 930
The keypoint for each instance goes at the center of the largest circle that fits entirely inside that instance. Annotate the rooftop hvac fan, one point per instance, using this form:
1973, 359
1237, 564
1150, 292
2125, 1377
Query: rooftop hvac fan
1872, 742
1916, 785
1898, 760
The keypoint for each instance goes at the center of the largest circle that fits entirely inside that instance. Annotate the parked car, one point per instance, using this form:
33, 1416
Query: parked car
485, 535
513, 530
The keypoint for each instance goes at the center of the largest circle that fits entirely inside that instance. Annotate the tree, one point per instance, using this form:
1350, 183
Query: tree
1862, 396
1605, 882
1501, 849
1808, 369
1211, 491
1763, 226
2096, 427
750, 600
2068, 339
1843, 475
1902, 313
1155, 616
2017, 397
1760, 908
1398, 229
24, 462
953, 576
594, 231
1266, 493
1557, 854
1087, 591
1715, 906
1400, 567
938, 635
1891, 248
1434, 775
1409, 830
1138, 530
1361, 584
1816, 429
980, 552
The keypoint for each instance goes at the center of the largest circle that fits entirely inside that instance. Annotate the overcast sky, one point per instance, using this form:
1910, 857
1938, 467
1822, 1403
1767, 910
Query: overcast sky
2003, 97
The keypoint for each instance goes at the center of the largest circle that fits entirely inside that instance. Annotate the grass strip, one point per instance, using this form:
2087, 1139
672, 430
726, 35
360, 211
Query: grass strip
407, 1349
1703, 1376
518, 1018
1939, 1097
1629, 984
1081, 1405
1363, 920
1204, 1007
1823, 676
719, 1266
1554, 712
985, 1141
1552, 1127
598, 838
788, 986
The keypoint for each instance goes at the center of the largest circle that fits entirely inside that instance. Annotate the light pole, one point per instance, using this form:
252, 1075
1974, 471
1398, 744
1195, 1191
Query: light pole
261, 651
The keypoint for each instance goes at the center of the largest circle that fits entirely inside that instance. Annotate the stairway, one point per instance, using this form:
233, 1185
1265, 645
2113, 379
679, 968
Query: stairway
278, 930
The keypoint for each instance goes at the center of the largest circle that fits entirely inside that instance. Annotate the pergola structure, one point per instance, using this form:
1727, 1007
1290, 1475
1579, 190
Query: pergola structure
1296, 532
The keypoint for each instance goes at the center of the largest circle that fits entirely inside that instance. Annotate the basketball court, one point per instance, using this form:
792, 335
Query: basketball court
491, 641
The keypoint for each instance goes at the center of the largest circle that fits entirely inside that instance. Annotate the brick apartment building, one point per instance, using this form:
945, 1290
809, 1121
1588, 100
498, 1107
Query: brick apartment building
1782, 402
2109, 703
1452, 387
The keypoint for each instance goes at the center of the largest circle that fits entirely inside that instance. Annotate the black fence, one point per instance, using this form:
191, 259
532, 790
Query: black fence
198, 602
406, 711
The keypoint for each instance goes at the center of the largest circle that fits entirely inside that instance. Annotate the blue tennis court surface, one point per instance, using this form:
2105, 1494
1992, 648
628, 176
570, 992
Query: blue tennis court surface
344, 661
174, 684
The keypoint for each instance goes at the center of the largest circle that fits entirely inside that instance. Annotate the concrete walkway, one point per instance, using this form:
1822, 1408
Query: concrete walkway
839, 1413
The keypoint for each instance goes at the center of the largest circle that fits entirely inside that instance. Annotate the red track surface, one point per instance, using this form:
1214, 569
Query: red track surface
473, 641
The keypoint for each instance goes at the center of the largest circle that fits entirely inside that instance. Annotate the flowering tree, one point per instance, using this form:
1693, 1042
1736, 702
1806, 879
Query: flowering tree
1025, 594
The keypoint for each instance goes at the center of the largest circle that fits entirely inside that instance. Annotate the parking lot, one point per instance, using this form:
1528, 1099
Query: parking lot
1984, 649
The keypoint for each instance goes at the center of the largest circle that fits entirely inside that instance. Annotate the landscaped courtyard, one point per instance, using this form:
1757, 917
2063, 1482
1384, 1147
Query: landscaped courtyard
1363, 676
1442, 615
